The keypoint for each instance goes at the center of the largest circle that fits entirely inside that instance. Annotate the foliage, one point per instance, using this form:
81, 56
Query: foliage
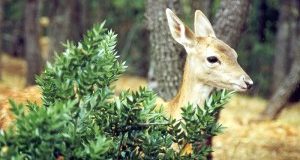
82, 69
81, 119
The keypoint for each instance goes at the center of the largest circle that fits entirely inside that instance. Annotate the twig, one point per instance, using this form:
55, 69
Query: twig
138, 126
120, 145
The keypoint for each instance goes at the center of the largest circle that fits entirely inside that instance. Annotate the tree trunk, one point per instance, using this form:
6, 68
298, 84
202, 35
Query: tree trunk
262, 20
32, 47
203, 5
18, 42
292, 80
230, 20
283, 43
59, 27
77, 19
166, 64
1, 36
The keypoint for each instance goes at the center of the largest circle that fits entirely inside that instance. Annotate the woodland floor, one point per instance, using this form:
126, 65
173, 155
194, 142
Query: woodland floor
243, 137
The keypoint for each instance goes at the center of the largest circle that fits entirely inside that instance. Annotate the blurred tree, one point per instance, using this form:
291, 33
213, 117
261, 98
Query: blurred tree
14, 27
167, 61
257, 44
78, 19
18, 44
282, 59
262, 7
32, 47
1, 36
203, 5
60, 16
292, 79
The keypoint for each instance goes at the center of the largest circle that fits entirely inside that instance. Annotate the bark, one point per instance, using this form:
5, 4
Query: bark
230, 20
59, 25
292, 80
283, 41
203, 5
166, 64
78, 16
32, 49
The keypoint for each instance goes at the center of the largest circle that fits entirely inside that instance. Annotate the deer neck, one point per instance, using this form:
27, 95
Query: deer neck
190, 92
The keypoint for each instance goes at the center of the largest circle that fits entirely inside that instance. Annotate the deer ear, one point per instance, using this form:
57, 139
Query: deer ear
202, 26
181, 33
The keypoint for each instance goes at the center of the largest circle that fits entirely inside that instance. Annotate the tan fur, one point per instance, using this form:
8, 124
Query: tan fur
189, 92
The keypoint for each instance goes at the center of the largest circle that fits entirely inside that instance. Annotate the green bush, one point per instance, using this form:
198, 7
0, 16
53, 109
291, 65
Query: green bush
81, 119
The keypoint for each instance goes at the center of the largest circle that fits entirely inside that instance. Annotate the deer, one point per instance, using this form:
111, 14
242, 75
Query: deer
210, 63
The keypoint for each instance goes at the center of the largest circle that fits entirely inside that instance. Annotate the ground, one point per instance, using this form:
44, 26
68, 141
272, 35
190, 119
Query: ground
244, 138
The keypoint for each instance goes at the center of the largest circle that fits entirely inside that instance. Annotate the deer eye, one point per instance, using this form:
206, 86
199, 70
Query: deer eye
212, 59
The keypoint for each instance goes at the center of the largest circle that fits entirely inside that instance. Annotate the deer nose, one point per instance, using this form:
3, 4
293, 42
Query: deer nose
248, 82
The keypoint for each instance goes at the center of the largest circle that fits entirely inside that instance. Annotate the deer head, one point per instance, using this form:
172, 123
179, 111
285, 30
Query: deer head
209, 60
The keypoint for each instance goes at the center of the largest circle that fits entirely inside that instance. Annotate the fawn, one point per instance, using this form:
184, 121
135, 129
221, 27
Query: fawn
210, 63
